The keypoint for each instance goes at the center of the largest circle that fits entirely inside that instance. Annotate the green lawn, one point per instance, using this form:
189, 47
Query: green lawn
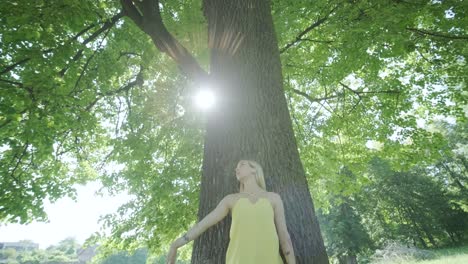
457, 255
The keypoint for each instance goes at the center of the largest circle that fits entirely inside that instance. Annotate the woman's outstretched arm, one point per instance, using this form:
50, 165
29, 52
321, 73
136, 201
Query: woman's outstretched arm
283, 234
221, 210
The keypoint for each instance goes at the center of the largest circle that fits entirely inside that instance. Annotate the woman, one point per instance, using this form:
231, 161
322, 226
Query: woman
258, 224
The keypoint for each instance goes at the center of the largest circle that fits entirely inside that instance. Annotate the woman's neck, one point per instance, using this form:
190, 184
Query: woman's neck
251, 186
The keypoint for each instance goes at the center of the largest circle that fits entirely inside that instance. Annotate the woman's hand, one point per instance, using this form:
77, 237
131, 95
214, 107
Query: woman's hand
171, 256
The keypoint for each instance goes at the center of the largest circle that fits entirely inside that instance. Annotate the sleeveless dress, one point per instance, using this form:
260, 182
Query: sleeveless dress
253, 237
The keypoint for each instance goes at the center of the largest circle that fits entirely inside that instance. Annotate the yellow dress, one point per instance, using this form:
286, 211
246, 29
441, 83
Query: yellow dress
253, 237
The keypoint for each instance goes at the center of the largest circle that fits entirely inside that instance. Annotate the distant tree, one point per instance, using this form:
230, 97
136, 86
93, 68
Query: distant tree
138, 257
9, 254
452, 167
411, 206
64, 251
344, 232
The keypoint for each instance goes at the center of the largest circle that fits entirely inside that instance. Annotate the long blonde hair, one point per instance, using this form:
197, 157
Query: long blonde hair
259, 178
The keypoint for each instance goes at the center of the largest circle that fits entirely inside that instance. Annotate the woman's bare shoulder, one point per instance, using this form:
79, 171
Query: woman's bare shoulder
275, 198
230, 198
274, 195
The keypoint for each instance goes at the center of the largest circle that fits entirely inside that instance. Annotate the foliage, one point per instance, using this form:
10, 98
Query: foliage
64, 252
121, 258
420, 207
413, 207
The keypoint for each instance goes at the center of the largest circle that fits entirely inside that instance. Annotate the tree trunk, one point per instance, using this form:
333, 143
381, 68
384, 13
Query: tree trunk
251, 121
423, 225
454, 176
429, 235
418, 232
451, 237
348, 259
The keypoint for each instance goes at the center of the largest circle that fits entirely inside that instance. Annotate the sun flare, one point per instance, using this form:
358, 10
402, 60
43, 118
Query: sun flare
205, 99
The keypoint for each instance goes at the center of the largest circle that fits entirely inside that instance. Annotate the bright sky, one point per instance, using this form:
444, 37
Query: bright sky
67, 218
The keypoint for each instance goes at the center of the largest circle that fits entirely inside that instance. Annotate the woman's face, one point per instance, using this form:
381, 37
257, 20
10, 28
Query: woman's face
243, 169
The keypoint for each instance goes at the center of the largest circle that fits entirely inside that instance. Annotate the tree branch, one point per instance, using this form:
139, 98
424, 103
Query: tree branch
12, 82
85, 67
337, 95
107, 24
130, 10
311, 99
20, 158
14, 65
358, 93
29, 89
424, 32
147, 16
137, 82
312, 26
317, 40
9, 120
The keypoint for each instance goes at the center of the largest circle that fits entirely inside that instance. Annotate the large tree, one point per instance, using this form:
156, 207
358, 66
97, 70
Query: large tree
251, 120
92, 90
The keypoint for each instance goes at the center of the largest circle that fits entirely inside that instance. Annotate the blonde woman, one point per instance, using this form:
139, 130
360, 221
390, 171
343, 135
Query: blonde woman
258, 226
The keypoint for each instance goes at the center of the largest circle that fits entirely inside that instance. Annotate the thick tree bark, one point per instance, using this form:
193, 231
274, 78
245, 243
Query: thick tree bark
251, 121
348, 259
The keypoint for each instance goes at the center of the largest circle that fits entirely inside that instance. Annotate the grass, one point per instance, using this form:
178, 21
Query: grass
457, 255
